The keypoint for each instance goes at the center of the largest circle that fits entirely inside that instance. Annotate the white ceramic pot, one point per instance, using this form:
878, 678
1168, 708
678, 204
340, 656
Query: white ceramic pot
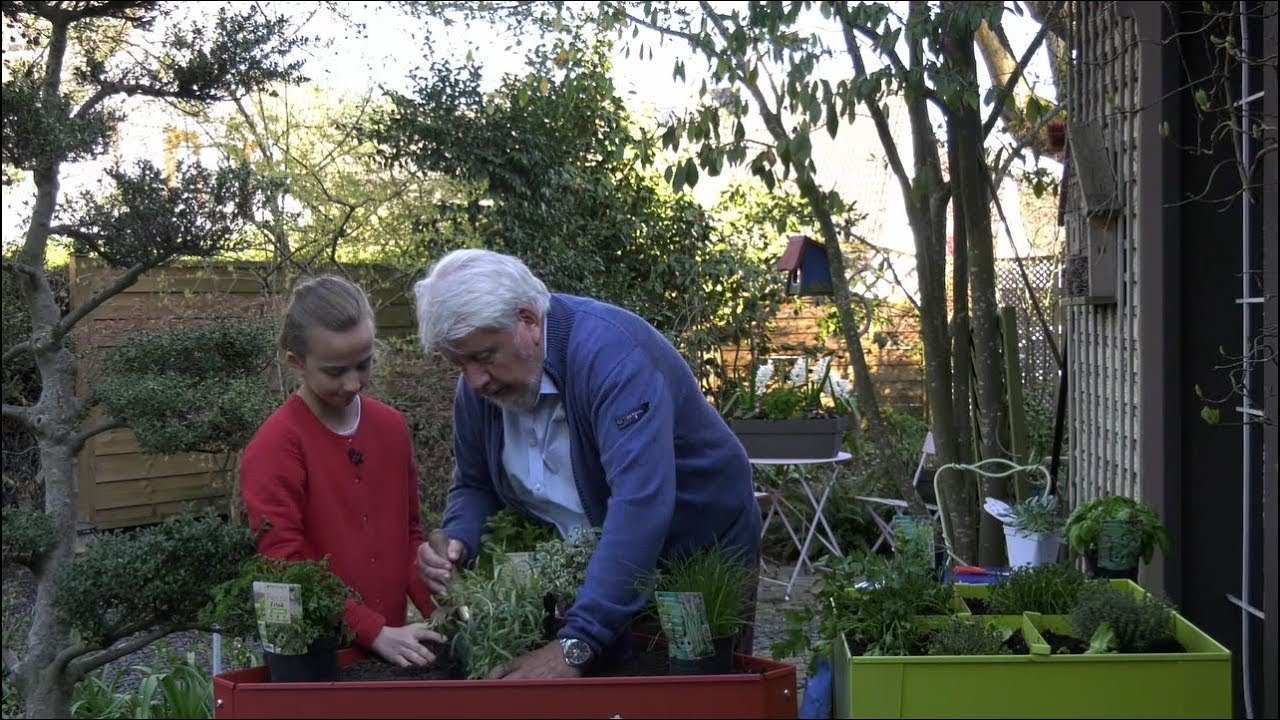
1030, 549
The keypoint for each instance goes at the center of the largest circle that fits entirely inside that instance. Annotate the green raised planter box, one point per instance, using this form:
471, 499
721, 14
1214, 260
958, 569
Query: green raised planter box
940, 686
1196, 683
1192, 684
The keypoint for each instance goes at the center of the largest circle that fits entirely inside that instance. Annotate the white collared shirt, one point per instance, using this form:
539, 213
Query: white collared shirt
536, 456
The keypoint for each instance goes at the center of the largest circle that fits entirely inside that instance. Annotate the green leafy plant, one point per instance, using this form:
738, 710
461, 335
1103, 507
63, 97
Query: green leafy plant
870, 600
1084, 526
1038, 514
718, 574
1117, 620
806, 392
28, 535
967, 636
508, 531
183, 690
1050, 589
233, 609
506, 618
561, 564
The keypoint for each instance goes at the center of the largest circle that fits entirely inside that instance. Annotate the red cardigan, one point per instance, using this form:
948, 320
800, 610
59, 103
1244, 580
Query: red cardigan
353, 498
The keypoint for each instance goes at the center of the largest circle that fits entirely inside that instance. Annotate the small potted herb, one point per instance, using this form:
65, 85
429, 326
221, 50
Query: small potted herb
698, 599
1032, 531
1113, 533
295, 607
561, 564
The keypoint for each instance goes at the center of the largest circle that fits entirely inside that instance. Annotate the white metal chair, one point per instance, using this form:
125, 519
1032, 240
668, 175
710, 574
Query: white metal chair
900, 506
991, 468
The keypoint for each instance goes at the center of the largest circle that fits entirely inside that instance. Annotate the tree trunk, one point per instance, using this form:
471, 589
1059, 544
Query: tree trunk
881, 434
971, 193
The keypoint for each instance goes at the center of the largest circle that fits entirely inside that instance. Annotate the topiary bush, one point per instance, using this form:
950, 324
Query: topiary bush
160, 575
191, 388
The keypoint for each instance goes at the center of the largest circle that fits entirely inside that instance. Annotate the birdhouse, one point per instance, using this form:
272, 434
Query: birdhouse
805, 261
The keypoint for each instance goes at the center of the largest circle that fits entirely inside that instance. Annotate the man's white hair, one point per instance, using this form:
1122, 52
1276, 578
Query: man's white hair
473, 289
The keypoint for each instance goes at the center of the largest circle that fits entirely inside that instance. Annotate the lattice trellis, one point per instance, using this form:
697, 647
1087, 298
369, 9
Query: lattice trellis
1102, 339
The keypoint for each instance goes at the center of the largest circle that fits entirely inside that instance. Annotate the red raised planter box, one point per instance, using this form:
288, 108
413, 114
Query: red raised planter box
764, 689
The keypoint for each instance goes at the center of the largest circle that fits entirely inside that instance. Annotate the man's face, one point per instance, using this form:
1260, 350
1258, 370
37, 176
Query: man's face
337, 364
503, 366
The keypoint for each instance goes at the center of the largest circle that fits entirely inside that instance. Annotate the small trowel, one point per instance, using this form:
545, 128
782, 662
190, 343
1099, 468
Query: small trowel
439, 542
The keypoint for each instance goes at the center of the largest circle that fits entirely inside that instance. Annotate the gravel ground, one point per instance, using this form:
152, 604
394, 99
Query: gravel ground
770, 608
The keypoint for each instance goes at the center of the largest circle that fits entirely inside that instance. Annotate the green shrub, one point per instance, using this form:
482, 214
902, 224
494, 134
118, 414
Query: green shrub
191, 388
161, 574
966, 636
28, 536
1050, 589
1114, 619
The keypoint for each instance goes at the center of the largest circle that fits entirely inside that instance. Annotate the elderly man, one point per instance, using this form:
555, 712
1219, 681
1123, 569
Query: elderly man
582, 414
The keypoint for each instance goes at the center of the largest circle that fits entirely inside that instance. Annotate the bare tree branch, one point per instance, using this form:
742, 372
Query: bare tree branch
79, 439
1007, 89
881, 122
17, 413
124, 280
88, 663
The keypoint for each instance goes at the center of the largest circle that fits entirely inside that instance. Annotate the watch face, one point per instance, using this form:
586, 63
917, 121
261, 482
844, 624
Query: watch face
576, 652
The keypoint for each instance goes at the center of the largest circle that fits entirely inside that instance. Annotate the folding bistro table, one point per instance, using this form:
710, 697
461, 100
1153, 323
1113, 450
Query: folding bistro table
816, 526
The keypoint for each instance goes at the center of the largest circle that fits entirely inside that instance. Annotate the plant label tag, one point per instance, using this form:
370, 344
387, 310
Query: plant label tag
276, 604
684, 620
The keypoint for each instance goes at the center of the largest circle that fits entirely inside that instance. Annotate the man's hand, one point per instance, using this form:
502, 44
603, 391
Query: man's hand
545, 662
437, 570
404, 646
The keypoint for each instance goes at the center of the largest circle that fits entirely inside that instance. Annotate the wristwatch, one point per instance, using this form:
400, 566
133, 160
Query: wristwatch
577, 653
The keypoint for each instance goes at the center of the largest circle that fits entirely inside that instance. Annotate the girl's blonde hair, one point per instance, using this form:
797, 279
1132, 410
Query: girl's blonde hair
329, 302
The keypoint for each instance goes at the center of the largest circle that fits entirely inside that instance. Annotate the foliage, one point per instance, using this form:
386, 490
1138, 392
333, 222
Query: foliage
1084, 526
421, 388
715, 572
28, 536
1050, 589
1134, 623
158, 575
509, 530
1037, 514
151, 218
555, 153
183, 690
869, 600
233, 607
561, 564
968, 636
507, 618
804, 393
192, 388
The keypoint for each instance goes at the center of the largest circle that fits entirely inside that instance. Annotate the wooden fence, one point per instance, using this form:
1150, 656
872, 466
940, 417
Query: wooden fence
118, 485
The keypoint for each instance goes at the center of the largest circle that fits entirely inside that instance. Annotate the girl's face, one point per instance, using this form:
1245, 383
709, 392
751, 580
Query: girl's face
337, 365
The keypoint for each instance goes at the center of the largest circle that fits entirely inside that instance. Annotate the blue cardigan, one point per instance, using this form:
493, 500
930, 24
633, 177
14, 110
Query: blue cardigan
655, 465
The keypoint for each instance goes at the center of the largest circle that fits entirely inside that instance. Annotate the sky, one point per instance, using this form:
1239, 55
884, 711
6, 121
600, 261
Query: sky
387, 47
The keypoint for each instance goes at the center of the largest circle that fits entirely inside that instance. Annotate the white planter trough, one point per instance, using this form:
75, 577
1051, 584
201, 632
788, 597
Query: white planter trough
1031, 548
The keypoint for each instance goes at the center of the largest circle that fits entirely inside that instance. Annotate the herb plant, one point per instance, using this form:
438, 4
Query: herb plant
1116, 620
1050, 589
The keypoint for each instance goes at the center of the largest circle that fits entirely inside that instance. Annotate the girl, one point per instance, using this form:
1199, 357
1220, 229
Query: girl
331, 472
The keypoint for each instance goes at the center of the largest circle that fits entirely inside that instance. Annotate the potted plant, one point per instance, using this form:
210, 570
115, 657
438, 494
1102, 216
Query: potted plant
510, 538
505, 618
1113, 533
803, 415
295, 607
561, 565
1032, 531
698, 600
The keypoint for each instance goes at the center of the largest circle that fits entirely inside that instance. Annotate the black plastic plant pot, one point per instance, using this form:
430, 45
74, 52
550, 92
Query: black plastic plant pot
318, 664
1092, 569
718, 663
